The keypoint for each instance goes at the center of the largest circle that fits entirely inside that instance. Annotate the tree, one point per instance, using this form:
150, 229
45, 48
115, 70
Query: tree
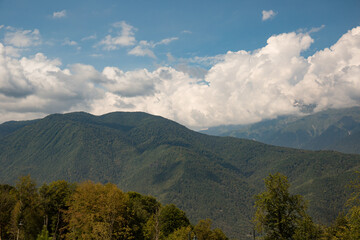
183, 233
307, 230
140, 209
203, 231
7, 203
165, 221
97, 211
27, 215
172, 218
44, 235
54, 199
278, 213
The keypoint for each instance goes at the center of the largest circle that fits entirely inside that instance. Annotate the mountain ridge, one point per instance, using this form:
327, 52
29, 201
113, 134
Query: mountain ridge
207, 176
333, 129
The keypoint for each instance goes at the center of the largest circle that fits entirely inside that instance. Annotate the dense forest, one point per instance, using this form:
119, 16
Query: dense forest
205, 176
88, 210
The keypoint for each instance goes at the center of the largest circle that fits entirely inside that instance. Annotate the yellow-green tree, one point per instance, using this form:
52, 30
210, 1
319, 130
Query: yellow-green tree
203, 231
97, 211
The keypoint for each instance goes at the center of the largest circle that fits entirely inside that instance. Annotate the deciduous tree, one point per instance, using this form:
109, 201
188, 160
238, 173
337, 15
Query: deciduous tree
278, 213
97, 211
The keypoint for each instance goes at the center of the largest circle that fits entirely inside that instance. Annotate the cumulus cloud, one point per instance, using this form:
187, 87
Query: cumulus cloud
38, 86
130, 84
60, 14
240, 87
22, 38
245, 87
266, 15
123, 37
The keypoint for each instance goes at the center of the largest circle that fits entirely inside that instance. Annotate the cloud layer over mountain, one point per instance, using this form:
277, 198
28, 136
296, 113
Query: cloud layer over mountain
241, 87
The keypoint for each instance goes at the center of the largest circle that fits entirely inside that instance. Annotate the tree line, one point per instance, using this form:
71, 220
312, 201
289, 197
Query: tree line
88, 210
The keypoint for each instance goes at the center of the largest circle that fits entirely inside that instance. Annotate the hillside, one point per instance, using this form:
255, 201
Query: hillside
334, 129
206, 176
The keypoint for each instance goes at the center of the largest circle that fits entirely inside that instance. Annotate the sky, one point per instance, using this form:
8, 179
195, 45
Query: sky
200, 63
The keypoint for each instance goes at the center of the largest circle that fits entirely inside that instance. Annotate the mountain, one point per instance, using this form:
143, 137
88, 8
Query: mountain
207, 176
334, 129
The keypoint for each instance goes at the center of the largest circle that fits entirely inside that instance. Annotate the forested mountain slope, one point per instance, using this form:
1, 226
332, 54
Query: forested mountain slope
206, 176
334, 129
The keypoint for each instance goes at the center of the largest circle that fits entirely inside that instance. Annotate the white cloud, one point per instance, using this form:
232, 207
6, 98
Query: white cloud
166, 41
142, 51
144, 47
96, 55
207, 60
60, 14
316, 29
266, 15
186, 32
124, 37
22, 38
91, 37
240, 87
69, 42
12, 51
130, 84
38, 86
247, 87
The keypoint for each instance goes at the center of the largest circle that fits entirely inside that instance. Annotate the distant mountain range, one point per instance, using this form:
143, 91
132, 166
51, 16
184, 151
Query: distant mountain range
207, 176
334, 129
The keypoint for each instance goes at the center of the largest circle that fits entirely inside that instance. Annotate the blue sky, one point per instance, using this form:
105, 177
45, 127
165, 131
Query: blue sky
129, 45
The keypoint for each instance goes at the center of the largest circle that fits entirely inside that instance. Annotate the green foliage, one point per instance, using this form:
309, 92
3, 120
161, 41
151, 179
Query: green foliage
183, 233
97, 211
140, 209
54, 199
171, 218
27, 215
44, 235
348, 227
337, 230
87, 211
278, 213
7, 203
203, 231
307, 230
165, 221
205, 176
